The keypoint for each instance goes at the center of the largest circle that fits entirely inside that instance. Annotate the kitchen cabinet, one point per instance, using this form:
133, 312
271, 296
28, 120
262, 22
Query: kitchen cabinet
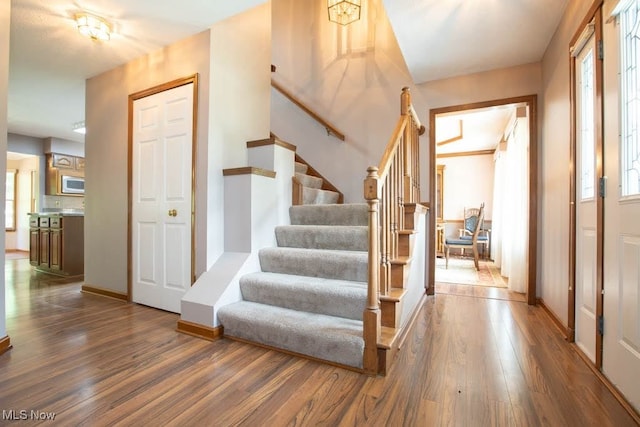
59, 168
57, 243
63, 161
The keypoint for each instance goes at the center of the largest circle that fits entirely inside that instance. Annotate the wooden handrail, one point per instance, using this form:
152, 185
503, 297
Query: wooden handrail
387, 189
331, 130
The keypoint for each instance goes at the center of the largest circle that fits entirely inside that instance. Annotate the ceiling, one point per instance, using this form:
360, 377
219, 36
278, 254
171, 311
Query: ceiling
49, 61
472, 130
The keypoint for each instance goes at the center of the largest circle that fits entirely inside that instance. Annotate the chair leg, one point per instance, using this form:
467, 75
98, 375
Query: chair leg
475, 257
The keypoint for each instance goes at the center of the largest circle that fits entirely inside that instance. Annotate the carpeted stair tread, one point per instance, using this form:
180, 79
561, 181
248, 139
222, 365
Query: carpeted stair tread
316, 196
330, 264
332, 214
309, 181
301, 167
330, 338
338, 237
338, 298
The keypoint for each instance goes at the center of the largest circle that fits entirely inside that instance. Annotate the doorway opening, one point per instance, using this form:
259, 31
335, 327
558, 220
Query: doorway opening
485, 154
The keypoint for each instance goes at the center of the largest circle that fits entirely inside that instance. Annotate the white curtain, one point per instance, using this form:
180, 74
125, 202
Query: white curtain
510, 224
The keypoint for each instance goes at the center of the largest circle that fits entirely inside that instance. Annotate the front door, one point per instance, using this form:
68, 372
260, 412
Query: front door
621, 352
161, 197
586, 232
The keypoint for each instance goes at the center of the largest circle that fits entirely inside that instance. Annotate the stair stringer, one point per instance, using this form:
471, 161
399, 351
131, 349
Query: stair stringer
411, 286
417, 278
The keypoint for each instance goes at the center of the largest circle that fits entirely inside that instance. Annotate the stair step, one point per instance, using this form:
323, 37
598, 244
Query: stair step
309, 181
316, 196
333, 214
338, 237
329, 264
301, 167
338, 298
330, 338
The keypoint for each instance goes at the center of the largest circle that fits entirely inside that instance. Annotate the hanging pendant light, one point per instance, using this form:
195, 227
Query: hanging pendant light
343, 12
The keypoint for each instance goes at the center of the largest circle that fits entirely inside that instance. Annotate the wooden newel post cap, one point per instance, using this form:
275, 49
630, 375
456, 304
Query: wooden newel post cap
371, 184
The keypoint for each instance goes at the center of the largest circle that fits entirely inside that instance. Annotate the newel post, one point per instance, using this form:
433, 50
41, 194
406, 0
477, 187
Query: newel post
405, 110
371, 317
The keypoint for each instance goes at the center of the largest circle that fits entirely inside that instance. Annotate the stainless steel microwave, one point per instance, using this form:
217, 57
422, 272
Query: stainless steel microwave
71, 184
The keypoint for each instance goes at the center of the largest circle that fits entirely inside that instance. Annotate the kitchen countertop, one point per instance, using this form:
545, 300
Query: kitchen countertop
61, 212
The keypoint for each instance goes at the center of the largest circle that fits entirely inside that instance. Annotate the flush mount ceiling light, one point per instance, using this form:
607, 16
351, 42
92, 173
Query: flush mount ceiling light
93, 26
79, 127
343, 12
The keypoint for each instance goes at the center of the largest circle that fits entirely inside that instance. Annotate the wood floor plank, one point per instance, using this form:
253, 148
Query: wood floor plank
472, 359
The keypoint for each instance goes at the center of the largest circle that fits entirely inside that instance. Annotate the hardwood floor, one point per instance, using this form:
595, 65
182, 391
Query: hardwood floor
479, 291
468, 361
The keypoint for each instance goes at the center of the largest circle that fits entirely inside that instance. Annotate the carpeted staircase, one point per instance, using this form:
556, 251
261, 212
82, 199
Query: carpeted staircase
311, 293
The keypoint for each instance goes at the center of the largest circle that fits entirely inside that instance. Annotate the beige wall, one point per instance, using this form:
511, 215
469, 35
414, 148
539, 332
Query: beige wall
554, 187
106, 197
232, 60
479, 87
5, 20
352, 76
468, 182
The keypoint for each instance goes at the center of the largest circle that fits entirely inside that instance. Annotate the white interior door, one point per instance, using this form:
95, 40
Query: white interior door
586, 203
621, 340
161, 197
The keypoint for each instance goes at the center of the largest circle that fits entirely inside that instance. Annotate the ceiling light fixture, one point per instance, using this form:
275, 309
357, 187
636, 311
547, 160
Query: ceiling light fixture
79, 127
343, 12
93, 26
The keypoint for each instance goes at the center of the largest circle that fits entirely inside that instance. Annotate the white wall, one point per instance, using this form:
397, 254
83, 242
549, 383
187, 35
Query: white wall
553, 227
468, 182
352, 76
240, 62
5, 20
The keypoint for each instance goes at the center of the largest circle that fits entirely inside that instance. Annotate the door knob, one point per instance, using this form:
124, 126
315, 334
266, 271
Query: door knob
173, 212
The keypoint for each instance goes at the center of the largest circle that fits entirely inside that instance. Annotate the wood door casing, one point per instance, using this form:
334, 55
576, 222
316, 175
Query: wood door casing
162, 143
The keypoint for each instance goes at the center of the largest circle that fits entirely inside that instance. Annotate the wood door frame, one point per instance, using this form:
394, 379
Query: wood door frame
594, 14
532, 102
132, 98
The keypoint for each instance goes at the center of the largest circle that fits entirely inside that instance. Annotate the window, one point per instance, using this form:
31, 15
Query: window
10, 201
587, 121
630, 98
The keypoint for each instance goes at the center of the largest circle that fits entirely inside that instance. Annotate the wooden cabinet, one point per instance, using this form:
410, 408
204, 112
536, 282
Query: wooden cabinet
34, 246
55, 249
80, 164
59, 166
63, 161
43, 258
57, 243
